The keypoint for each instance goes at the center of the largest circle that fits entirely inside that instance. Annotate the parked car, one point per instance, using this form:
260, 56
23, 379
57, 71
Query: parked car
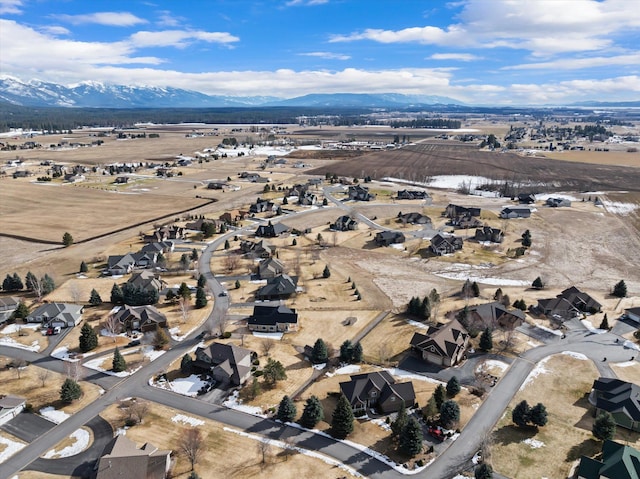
131, 344
223, 293
53, 330
437, 432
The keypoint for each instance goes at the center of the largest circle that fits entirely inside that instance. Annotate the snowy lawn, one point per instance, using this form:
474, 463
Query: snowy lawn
11, 447
54, 415
347, 369
12, 343
191, 421
186, 386
233, 402
82, 441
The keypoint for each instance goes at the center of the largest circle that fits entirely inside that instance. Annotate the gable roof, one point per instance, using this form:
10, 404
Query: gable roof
121, 458
272, 265
358, 389
50, 311
445, 341
618, 462
271, 315
280, 285
617, 396
227, 358
495, 312
145, 314
146, 279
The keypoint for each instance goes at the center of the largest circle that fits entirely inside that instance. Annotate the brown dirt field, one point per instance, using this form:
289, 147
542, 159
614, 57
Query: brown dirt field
566, 437
614, 158
629, 373
415, 162
242, 459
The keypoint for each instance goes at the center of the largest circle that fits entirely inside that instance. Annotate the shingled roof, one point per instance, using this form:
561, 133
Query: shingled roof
121, 458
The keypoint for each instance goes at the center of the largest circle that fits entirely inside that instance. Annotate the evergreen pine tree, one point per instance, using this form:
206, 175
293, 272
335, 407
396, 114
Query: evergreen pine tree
498, 295
67, 239
486, 341
237, 284
425, 308
483, 471
273, 372
184, 292
312, 413
202, 281
17, 282
449, 414
537, 283
185, 364
604, 427
411, 438
346, 351
21, 312
83, 267
118, 364
431, 409
320, 353
95, 299
605, 322
70, 391
47, 284
201, 298
160, 338
400, 422
88, 338
453, 387
538, 415
475, 289
117, 296
286, 410
227, 245
521, 414
620, 289
357, 352
326, 272
440, 396
342, 420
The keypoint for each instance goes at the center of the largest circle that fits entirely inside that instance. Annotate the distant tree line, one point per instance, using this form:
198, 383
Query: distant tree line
427, 123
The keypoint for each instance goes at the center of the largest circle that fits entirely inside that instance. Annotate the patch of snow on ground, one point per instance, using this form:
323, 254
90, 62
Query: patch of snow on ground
493, 363
96, 365
398, 246
630, 345
417, 324
534, 443
63, 354
11, 448
319, 366
277, 336
152, 353
348, 369
626, 364
462, 272
537, 371
15, 328
401, 373
619, 208
381, 423
546, 196
82, 440
306, 452
575, 355
176, 336
187, 386
53, 414
549, 330
12, 343
454, 181
192, 421
233, 402
587, 324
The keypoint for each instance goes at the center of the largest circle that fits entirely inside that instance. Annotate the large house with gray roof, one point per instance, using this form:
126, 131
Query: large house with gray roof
63, 315
618, 397
228, 364
273, 319
140, 318
377, 390
570, 303
122, 458
280, 286
444, 345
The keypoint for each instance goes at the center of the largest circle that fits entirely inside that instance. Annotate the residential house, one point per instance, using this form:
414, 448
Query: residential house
121, 180
558, 202
63, 315
465, 221
140, 318
414, 219
617, 461
270, 268
124, 264
228, 364
200, 222
8, 304
217, 185
307, 199
570, 303
297, 190
232, 217
273, 319
493, 315
253, 177
260, 249
147, 281
279, 287
157, 248
261, 206
618, 397
73, 178
633, 314
443, 243
10, 407
315, 181
444, 345
386, 238
377, 390
412, 195
360, 193
344, 223
21, 174
173, 232
453, 211
272, 230
526, 198
121, 458
510, 213
487, 233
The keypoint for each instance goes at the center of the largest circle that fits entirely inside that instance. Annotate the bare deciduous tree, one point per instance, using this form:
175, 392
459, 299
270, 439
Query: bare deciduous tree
185, 308
43, 375
75, 293
263, 449
231, 261
19, 365
112, 325
191, 444
73, 370
222, 324
135, 410
267, 345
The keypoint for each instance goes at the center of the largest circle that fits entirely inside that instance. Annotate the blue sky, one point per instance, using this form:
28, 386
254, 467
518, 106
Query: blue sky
476, 51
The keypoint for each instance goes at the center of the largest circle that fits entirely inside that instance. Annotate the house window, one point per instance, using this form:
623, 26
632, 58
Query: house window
392, 398
373, 394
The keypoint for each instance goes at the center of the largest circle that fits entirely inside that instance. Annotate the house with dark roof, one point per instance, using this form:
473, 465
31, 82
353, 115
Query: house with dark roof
124, 264
620, 398
633, 314
272, 230
377, 390
10, 407
228, 364
160, 247
198, 224
344, 223
487, 233
360, 193
147, 281
63, 315
465, 221
526, 198
140, 318
122, 458
444, 345
233, 216
8, 304
270, 268
261, 206
453, 211
280, 286
557, 202
386, 238
307, 199
413, 219
494, 315
616, 462
412, 195
511, 212
273, 319
259, 249
443, 243
570, 303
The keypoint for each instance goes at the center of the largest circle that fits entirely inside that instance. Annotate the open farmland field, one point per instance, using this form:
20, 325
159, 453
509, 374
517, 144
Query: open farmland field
419, 161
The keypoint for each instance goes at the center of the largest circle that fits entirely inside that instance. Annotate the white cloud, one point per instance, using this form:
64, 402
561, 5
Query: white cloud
114, 19
463, 57
10, 7
295, 3
178, 38
327, 55
579, 63
55, 30
167, 19
543, 27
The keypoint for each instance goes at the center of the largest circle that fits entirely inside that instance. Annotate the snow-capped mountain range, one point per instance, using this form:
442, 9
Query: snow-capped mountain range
90, 94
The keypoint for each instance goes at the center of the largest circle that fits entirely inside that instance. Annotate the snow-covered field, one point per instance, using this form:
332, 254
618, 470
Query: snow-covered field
589, 326
401, 373
534, 443
82, 441
348, 369
233, 402
54, 415
185, 386
15, 328
493, 363
96, 365
5, 341
11, 447
619, 208
462, 272
191, 421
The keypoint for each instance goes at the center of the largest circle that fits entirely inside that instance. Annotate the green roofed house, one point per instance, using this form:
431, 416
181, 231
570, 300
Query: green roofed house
618, 462
620, 398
